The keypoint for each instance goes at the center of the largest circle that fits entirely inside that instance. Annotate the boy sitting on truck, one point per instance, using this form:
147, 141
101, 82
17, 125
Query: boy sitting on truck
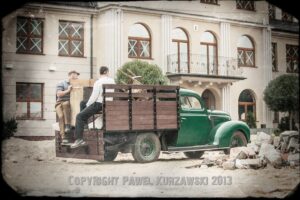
93, 106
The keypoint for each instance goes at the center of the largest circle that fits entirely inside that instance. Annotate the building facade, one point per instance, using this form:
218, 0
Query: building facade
227, 51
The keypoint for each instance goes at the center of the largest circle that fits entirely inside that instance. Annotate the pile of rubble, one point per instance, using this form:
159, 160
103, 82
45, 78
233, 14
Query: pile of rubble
264, 149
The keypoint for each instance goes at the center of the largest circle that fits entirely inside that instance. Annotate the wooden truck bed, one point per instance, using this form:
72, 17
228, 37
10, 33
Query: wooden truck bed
140, 108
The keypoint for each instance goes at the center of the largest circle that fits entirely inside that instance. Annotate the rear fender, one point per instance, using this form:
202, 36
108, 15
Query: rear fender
221, 134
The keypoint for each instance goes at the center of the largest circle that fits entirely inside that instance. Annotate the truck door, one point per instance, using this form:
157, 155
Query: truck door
194, 122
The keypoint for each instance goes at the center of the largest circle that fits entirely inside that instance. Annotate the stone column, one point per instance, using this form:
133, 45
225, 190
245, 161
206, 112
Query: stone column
267, 74
226, 98
166, 40
113, 29
225, 49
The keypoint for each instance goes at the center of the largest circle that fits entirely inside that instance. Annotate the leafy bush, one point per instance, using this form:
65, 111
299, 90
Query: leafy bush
250, 120
282, 94
9, 128
150, 74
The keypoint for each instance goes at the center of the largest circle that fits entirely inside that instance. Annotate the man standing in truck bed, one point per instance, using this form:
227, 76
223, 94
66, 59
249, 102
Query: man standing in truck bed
93, 106
62, 106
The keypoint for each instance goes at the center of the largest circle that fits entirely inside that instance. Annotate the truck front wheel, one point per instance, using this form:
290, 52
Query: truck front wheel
194, 154
238, 139
146, 147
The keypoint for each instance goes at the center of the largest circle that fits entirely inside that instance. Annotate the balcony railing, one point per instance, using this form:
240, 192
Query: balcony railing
203, 64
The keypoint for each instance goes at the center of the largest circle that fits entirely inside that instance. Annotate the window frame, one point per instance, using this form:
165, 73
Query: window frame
291, 58
139, 39
239, 3
71, 39
244, 50
215, 45
28, 101
274, 51
29, 36
187, 41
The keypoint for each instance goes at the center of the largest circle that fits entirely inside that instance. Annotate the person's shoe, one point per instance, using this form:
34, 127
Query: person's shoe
78, 143
65, 141
68, 128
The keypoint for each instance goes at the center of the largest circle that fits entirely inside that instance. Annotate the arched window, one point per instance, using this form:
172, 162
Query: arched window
180, 50
246, 104
209, 99
139, 42
209, 53
246, 52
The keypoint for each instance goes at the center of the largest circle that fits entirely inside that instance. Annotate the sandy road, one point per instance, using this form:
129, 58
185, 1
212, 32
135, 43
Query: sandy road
31, 168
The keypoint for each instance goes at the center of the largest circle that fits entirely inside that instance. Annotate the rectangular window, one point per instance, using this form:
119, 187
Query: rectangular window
274, 57
245, 5
138, 47
292, 56
29, 100
286, 17
271, 11
29, 35
71, 39
210, 1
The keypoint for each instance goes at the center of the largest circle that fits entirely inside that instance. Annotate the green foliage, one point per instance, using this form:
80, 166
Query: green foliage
9, 128
284, 124
282, 93
250, 120
150, 74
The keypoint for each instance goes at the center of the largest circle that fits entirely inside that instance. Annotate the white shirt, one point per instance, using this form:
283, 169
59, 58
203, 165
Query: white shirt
96, 95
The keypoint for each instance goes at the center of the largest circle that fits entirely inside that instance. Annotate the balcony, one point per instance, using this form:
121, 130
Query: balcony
203, 65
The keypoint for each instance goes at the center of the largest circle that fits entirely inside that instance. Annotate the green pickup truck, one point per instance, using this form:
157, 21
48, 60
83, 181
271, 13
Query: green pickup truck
146, 119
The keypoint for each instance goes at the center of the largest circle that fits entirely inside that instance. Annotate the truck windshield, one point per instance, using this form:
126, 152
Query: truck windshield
188, 102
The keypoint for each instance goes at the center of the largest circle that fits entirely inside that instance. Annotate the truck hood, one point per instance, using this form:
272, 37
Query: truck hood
218, 112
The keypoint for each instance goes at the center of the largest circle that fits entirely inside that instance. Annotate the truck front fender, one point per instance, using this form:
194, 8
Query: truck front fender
221, 134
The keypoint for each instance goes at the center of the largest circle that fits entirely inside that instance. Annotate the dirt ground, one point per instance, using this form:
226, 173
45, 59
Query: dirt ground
31, 168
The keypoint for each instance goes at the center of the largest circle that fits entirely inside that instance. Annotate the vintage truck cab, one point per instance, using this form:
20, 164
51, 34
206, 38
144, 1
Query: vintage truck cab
147, 119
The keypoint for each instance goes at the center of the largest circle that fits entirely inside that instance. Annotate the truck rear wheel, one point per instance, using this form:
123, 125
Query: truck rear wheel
146, 147
194, 154
238, 139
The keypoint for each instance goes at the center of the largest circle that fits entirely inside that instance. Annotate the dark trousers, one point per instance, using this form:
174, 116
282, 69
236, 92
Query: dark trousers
83, 117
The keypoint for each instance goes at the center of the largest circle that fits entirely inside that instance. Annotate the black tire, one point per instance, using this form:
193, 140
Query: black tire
110, 155
238, 139
146, 148
194, 154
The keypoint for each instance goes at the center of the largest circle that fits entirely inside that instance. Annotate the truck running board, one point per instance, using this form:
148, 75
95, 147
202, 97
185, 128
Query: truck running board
196, 148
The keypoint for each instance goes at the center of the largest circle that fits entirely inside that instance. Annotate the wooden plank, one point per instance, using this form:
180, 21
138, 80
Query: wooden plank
110, 127
116, 108
115, 86
117, 117
166, 95
166, 87
166, 112
142, 95
142, 127
142, 112
142, 103
117, 122
167, 121
166, 126
167, 103
161, 117
116, 94
142, 121
116, 112
116, 103
165, 108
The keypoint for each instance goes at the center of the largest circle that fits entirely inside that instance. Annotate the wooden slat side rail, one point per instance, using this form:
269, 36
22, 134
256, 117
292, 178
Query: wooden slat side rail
158, 87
